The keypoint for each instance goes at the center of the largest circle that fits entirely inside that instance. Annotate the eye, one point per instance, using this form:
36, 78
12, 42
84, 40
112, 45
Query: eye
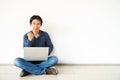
38, 23
33, 23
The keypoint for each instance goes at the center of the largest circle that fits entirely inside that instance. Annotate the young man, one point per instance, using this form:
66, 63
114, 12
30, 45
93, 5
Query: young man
37, 38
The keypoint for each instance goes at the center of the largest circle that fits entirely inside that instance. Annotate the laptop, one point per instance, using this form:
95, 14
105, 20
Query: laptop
36, 53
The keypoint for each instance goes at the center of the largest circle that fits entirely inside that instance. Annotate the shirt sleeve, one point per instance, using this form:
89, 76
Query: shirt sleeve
26, 42
49, 43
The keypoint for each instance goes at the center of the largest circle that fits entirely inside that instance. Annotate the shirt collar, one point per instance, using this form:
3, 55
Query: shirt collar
38, 34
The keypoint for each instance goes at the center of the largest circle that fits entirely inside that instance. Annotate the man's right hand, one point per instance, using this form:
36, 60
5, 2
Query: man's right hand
30, 36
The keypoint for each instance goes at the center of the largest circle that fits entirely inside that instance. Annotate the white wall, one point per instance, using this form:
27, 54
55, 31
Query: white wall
82, 31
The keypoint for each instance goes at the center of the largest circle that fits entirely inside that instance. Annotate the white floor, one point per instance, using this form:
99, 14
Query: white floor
66, 72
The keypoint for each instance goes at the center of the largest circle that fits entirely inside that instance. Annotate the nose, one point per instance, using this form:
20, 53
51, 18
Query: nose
36, 26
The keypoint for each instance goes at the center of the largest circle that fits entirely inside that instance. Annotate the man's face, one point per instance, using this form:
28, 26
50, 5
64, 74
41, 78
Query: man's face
35, 25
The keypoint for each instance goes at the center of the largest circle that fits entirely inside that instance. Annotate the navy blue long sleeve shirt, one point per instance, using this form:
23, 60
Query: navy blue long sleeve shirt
43, 40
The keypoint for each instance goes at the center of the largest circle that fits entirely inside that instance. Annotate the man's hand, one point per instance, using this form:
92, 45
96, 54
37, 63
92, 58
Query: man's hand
30, 36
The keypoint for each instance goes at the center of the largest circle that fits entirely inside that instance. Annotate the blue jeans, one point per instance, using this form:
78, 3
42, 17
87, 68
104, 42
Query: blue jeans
36, 69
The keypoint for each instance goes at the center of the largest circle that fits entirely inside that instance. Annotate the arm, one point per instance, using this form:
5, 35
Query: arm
48, 43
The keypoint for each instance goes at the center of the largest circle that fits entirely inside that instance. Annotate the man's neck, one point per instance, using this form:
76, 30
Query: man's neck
36, 33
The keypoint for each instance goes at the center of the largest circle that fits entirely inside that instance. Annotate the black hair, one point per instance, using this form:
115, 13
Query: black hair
36, 17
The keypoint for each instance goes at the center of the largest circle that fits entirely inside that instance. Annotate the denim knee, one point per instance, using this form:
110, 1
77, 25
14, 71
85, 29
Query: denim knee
53, 59
17, 61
